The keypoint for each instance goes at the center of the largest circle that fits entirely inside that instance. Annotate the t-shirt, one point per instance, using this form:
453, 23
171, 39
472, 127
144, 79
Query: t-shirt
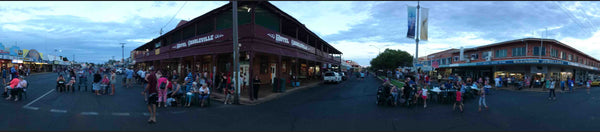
22, 83
548, 84
424, 92
207, 91
161, 81
129, 74
14, 82
152, 82
552, 84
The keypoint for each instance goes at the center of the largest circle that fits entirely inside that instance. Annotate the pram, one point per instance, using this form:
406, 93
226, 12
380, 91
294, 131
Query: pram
384, 96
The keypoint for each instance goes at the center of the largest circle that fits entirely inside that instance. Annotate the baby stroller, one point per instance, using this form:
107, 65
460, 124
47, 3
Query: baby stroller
384, 96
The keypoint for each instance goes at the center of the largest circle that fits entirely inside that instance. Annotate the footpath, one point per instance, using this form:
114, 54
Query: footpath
268, 97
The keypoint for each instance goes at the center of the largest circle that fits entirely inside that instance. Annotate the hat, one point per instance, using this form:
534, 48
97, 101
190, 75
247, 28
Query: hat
194, 83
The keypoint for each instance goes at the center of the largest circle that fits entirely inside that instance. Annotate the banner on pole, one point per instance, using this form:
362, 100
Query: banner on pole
412, 16
424, 20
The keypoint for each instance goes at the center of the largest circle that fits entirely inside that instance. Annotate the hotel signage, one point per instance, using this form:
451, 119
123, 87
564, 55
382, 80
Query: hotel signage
282, 39
198, 40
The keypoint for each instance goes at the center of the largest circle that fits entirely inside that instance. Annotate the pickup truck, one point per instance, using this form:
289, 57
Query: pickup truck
332, 77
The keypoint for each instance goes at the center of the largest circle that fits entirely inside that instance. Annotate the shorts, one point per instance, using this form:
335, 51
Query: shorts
129, 80
424, 97
152, 99
96, 86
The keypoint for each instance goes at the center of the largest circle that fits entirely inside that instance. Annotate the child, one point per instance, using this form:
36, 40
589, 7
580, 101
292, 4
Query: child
70, 84
229, 94
458, 100
105, 82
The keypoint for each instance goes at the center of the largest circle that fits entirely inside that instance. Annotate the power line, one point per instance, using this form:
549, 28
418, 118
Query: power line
173, 16
572, 17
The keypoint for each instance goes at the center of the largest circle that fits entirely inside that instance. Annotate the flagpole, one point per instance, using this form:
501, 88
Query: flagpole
417, 37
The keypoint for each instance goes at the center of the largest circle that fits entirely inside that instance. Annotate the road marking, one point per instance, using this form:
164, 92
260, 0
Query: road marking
177, 112
148, 114
31, 108
58, 111
89, 113
39, 97
120, 114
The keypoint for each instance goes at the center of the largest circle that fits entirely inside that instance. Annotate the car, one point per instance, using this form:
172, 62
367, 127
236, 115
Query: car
332, 77
595, 83
119, 71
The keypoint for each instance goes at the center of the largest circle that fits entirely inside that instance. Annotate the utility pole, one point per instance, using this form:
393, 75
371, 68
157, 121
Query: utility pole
236, 67
123, 52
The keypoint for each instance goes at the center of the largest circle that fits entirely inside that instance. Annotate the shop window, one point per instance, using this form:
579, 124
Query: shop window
536, 51
500, 53
520, 51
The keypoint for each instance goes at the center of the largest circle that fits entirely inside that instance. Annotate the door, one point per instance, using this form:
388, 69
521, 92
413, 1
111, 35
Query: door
244, 73
273, 71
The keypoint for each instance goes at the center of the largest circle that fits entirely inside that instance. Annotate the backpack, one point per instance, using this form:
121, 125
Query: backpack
163, 85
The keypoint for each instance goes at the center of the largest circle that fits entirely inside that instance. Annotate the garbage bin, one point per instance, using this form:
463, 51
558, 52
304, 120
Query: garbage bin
282, 84
275, 82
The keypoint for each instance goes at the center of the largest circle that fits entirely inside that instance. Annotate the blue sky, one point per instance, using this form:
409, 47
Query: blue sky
93, 30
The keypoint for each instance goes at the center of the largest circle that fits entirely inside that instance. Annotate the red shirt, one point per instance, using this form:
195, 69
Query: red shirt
14, 82
458, 96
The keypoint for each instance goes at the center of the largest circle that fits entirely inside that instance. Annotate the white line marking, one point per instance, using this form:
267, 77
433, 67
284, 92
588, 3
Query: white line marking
120, 114
177, 112
148, 114
39, 97
89, 113
31, 108
58, 111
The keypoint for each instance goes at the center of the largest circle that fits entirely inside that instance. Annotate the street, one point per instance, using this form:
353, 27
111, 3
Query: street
348, 106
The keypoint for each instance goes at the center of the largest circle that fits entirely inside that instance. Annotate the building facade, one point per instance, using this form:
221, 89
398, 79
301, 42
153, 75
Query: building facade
532, 57
273, 45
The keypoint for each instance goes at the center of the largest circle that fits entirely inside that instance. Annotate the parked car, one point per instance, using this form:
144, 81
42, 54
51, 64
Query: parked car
595, 83
330, 77
119, 71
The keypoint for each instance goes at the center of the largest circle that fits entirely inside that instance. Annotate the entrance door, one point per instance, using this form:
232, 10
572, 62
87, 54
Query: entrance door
273, 71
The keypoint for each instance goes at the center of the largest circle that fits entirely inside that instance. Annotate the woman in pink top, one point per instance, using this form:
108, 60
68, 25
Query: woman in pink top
163, 83
104, 84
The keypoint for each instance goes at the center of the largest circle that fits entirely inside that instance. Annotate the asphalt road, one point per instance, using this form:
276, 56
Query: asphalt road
349, 106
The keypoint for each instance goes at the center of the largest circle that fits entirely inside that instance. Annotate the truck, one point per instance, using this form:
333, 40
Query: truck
332, 77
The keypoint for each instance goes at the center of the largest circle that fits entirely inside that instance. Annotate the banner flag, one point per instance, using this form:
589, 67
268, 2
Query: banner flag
412, 16
424, 20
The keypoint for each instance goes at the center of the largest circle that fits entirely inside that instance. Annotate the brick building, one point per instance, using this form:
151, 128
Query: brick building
517, 58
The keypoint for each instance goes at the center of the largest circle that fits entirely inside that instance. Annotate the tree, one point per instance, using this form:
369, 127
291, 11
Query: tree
391, 59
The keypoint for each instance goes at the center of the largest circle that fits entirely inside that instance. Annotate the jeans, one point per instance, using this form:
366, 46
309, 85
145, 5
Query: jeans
395, 95
551, 94
482, 101
189, 96
203, 96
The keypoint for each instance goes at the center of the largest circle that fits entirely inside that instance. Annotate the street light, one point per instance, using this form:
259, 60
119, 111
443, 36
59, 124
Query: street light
377, 48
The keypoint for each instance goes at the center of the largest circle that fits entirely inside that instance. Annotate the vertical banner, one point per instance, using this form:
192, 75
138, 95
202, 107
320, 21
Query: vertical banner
412, 16
424, 20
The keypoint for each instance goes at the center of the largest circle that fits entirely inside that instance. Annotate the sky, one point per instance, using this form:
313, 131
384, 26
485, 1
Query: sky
92, 31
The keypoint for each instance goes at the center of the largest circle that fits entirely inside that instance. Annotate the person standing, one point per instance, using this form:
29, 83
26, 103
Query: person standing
113, 80
152, 92
4, 75
588, 85
96, 83
129, 77
458, 100
550, 86
571, 83
256, 87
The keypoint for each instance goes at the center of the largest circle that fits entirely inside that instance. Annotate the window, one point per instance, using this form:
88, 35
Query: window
474, 56
443, 61
500, 53
449, 60
570, 57
554, 53
536, 51
563, 55
486, 54
518, 51
455, 58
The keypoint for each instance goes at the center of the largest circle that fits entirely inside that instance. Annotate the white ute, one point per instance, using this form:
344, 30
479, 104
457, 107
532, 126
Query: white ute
332, 77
